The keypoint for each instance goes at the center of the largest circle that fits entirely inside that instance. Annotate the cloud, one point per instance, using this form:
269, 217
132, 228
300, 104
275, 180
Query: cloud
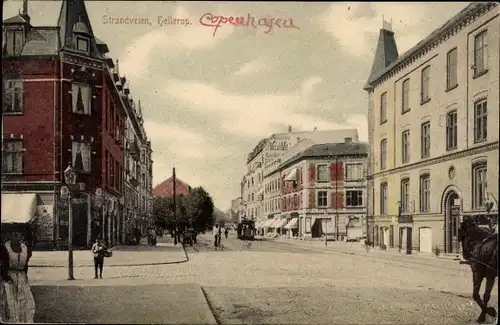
251, 115
352, 23
139, 57
179, 141
309, 83
254, 66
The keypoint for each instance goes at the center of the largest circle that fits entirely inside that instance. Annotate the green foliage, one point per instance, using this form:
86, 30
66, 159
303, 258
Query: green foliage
196, 208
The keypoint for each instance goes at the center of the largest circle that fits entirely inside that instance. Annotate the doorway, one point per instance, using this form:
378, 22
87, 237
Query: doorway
452, 221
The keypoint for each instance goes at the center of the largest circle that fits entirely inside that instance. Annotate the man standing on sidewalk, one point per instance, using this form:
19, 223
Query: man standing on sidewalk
215, 232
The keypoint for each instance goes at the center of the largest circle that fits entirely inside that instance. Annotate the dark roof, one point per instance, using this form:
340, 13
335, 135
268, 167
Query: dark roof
451, 23
18, 19
74, 14
42, 41
329, 149
386, 53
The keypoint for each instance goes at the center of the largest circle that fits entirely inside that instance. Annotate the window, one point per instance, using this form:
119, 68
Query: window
81, 98
451, 130
253, 197
354, 198
425, 193
425, 140
451, 69
480, 121
479, 183
383, 154
481, 53
13, 98
383, 108
354, 171
81, 157
405, 96
322, 199
405, 196
425, 82
12, 154
323, 175
82, 44
14, 42
383, 198
405, 152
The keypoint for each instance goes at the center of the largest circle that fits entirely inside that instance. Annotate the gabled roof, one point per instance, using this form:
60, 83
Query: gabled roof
165, 188
73, 14
329, 149
447, 26
42, 41
18, 19
386, 53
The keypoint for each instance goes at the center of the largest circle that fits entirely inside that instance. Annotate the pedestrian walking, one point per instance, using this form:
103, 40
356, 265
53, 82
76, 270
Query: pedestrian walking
226, 232
219, 236
99, 250
17, 304
215, 232
153, 236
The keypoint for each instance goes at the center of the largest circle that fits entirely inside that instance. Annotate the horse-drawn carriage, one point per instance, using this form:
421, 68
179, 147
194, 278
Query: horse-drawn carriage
189, 236
480, 251
246, 230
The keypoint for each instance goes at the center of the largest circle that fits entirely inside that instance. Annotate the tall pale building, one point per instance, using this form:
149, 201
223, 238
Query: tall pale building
433, 132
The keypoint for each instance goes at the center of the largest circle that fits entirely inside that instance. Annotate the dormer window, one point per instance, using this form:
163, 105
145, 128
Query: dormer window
14, 41
82, 44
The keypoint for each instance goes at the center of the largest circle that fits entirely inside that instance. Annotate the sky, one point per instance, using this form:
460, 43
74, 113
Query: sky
210, 95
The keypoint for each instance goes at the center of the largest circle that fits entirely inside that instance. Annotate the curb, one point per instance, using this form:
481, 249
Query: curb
210, 307
186, 259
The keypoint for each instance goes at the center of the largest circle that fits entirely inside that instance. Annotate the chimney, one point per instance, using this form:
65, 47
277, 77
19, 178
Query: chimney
289, 128
348, 140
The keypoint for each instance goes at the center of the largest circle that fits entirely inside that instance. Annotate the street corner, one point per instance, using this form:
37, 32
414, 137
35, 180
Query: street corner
57, 304
164, 253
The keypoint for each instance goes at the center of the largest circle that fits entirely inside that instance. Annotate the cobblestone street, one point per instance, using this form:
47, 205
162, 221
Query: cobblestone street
277, 282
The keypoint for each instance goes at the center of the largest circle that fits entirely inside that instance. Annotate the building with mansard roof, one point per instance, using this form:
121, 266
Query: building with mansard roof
433, 132
64, 104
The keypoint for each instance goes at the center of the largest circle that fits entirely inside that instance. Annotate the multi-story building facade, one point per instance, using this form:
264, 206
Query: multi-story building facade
139, 167
234, 211
58, 101
433, 132
322, 189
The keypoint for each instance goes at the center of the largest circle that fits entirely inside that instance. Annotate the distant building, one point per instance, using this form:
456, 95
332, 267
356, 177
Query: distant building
166, 188
267, 151
433, 132
234, 211
322, 190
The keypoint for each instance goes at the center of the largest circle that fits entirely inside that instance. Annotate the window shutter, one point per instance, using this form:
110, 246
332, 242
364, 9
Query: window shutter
333, 196
312, 199
340, 200
333, 172
340, 171
312, 173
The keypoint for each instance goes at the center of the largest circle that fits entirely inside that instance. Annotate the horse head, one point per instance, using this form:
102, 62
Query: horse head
469, 235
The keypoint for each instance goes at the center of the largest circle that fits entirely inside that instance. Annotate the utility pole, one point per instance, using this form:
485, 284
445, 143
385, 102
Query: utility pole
174, 206
336, 199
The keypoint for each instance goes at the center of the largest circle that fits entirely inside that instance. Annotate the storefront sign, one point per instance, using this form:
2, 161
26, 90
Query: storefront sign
408, 218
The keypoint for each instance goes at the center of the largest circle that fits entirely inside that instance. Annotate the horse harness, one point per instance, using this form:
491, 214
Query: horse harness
485, 240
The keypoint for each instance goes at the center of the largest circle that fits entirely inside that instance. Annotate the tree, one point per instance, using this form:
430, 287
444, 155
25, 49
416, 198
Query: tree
200, 208
196, 209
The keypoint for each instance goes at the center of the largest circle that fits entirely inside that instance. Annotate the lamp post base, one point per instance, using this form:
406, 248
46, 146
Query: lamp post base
70, 278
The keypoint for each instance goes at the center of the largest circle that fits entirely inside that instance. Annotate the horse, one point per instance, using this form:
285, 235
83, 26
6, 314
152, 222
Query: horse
479, 249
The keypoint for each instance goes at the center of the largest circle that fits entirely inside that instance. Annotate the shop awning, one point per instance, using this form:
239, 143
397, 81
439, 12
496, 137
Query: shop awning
280, 224
267, 223
275, 222
292, 176
18, 207
294, 223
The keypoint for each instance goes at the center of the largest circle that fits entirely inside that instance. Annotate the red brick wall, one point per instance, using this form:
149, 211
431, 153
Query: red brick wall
36, 124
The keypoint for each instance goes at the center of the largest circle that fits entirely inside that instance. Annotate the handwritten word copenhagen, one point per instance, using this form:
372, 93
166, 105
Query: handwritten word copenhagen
125, 20
216, 22
169, 20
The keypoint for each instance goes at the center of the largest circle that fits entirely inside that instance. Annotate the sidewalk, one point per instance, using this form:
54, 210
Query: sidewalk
165, 252
357, 249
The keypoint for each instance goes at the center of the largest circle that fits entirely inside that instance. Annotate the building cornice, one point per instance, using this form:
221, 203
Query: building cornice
435, 41
74, 58
449, 157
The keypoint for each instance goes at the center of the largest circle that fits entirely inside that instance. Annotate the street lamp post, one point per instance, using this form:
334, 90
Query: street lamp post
66, 193
99, 200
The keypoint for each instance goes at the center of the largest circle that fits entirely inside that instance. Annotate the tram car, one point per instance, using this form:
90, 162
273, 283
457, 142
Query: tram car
246, 230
